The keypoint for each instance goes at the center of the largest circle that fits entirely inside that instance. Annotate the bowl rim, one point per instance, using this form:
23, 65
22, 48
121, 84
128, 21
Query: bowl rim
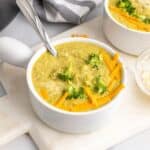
120, 24
50, 106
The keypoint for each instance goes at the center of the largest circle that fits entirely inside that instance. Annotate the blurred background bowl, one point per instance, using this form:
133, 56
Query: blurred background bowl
125, 39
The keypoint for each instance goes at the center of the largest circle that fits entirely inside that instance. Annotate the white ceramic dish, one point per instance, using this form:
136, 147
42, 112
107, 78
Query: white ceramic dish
142, 65
71, 122
126, 39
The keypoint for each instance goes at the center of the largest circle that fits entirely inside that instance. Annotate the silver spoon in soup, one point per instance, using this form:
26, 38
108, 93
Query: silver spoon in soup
31, 15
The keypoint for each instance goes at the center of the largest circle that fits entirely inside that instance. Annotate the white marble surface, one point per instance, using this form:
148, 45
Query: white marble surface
140, 142
22, 143
21, 30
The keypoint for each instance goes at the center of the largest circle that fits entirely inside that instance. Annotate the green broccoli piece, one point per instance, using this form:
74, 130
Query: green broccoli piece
65, 75
75, 93
126, 5
99, 86
123, 3
131, 10
146, 20
93, 60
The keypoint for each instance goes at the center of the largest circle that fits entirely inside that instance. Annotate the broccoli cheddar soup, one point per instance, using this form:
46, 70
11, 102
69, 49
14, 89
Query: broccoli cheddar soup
134, 14
82, 77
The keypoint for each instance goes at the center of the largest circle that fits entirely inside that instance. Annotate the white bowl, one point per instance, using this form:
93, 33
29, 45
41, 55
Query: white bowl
72, 122
142, 63
128, 40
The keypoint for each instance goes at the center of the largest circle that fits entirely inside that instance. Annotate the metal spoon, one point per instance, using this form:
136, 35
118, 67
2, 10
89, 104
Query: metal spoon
30, 13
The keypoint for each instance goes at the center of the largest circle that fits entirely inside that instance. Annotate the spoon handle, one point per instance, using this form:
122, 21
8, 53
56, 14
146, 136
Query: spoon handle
30, 13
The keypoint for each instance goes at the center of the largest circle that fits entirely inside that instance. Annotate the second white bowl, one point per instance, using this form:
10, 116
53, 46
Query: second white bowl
126, 39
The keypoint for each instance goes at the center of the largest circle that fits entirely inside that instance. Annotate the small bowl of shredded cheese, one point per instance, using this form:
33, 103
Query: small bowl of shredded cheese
142, 72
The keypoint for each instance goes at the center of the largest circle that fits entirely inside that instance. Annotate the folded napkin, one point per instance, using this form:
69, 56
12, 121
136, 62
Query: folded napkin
8, 10
70, 11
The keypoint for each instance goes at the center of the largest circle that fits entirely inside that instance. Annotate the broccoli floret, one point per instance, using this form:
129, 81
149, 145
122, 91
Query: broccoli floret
99, 86
146, 20
93, 60
126, 5
65, 75
75, 93
123, 3
130, 9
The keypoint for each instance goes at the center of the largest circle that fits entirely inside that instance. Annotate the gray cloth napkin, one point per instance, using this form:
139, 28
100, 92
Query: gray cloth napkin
8, 10
70, 11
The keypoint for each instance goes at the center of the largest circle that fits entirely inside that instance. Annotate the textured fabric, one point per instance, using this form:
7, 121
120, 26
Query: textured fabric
8, 10
71, 11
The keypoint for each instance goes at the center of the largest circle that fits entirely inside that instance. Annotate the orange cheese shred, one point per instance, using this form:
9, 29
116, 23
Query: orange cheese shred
44, 93
107, 60
80, 35
61, 100
129, 20
115, 59
116, 91
90, 96
115, 71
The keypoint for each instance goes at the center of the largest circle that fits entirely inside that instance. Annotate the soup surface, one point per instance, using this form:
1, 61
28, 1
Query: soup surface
134, 14
82, 77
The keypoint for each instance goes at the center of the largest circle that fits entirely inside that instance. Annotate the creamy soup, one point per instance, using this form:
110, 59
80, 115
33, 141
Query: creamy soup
134, 14
82, 77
